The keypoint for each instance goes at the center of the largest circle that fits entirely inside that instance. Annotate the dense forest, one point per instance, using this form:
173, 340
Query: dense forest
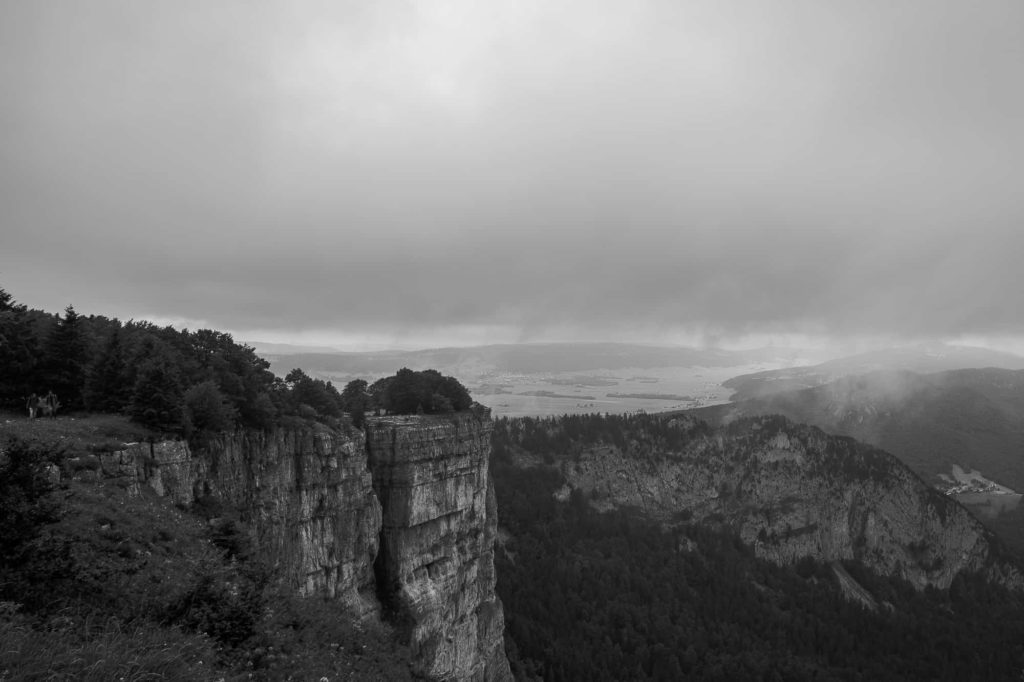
610, 596
184, 382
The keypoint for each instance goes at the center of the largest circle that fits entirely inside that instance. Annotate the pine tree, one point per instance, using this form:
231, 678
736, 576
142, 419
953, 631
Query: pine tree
19, 353
158, 399
109, 388
66, 360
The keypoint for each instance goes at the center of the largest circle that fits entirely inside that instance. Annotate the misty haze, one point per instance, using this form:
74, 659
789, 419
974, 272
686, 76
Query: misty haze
511, 340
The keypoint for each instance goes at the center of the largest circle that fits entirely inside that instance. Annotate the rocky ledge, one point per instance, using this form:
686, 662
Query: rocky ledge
403, 513
436, 563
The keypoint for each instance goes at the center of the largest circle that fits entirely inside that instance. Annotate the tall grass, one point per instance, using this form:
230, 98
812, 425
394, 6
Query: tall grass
69, 648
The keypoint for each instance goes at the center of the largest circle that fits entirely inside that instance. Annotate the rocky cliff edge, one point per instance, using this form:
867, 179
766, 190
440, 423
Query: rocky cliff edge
402, 513
792, 491
436, 561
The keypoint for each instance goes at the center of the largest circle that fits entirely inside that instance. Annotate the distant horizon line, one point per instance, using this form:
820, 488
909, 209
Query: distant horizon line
300, 348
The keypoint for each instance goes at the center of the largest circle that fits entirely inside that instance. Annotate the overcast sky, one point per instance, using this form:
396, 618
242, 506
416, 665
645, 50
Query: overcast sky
428, 173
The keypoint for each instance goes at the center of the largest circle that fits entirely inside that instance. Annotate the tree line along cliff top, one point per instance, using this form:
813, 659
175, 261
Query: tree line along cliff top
185, 382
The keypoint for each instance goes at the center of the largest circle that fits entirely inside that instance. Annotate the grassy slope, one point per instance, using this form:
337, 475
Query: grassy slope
134, 588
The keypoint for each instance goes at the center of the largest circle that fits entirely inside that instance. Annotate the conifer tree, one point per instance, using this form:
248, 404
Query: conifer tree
19, 352
158, 399
66, 360
109, 388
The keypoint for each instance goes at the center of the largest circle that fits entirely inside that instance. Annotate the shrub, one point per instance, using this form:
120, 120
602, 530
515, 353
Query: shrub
26, 503
226, 602
85, 463
430, 392
208, 507
208, 409
229, 536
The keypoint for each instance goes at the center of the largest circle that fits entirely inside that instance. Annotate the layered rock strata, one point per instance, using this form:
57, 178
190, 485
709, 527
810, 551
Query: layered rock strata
305, 494
436, 563
792, 491
404, 512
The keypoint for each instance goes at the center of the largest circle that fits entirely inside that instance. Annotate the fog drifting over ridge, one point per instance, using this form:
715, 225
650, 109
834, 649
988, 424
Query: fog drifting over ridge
438, 173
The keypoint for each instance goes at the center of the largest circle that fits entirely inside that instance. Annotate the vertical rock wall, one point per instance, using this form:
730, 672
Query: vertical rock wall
306, 494
792, 491
426, 548
435, 568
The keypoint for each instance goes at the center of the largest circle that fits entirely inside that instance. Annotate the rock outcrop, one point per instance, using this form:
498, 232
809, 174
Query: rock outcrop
436, 563
792, 491
416, 529
305, 494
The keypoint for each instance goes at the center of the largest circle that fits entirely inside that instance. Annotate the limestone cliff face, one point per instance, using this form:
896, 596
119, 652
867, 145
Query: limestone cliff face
306, 495
403, 512
792, 491
436, 561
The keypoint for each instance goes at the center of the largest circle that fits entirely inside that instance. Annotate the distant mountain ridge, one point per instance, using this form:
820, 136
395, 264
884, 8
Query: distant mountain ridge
973, 418
268, 348
924, 358
526, 358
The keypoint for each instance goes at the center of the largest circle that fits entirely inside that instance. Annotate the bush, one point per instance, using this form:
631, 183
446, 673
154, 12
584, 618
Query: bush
313, 398
208, 409
261, 413
228, 536
226, 602
429, 392
26, 502
85, 463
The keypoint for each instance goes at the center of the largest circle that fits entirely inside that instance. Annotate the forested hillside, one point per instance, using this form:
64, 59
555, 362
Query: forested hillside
970, 418
617, 595
183, 382
173, 381
922, 359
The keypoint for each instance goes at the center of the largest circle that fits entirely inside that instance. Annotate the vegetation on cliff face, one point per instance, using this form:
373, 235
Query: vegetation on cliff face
618, 595
91, 550
97, 583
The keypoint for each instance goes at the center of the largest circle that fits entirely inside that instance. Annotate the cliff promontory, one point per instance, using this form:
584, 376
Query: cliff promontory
402, 513
436, 561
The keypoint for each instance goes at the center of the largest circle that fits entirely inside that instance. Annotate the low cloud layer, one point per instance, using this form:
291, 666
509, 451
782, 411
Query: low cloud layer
459, 171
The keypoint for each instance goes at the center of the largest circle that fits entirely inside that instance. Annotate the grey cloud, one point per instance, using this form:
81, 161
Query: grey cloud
595, 168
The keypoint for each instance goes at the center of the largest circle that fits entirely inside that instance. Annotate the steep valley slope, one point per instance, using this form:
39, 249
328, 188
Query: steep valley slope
972, 419
645, 547
788, 490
